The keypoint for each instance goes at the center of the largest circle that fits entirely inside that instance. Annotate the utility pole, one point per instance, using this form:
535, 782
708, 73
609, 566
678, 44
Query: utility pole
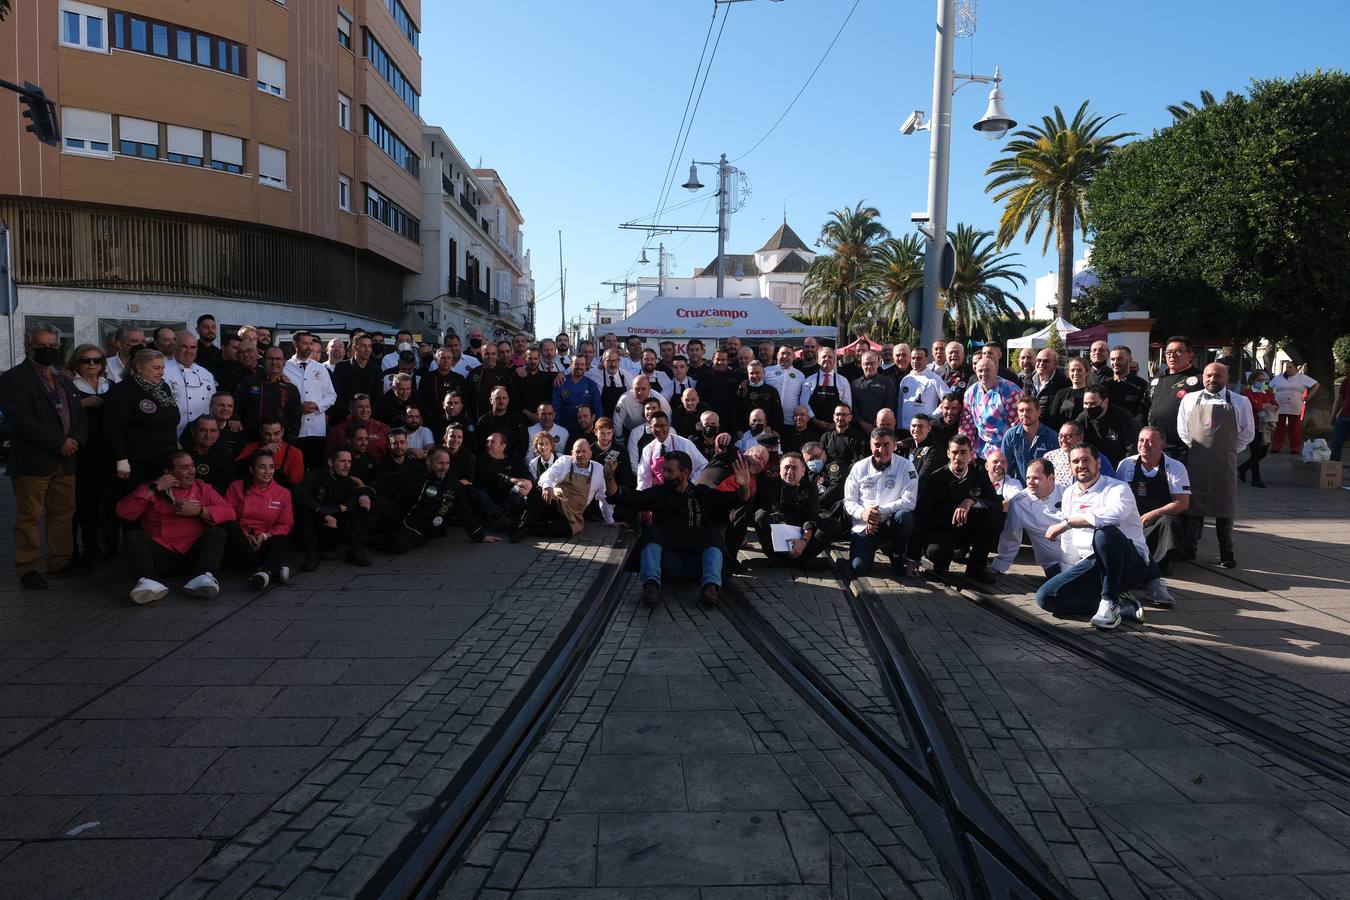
661, 270
939, 158
562, 281
721, 223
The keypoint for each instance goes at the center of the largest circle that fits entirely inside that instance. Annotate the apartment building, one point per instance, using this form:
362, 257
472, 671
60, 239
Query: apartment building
259, 159
475, 268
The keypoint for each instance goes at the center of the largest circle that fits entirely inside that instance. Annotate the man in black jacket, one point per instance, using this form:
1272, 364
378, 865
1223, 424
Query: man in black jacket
331, 508
358, 374
267, 396
1046, 381
925, 451
47, 426
1112, 431
483, 380
792, 499
501, 483
428, 498
683, 539
500, 418
213, 457
957, 508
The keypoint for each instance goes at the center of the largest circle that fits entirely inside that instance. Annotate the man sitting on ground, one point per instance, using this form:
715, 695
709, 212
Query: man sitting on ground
1161, 488
1032, 511
792, 499
879, 496
957, 509
332, 512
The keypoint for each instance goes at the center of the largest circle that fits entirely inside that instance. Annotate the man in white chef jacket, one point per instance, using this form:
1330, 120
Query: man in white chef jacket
315, 383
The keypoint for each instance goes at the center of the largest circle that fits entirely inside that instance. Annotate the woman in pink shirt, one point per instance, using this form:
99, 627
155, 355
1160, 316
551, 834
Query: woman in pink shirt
259, 539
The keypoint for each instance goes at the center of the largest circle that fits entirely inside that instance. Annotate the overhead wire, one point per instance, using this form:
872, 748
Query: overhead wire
807, 84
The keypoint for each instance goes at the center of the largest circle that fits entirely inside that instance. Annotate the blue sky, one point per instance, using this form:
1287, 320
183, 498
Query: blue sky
577, 104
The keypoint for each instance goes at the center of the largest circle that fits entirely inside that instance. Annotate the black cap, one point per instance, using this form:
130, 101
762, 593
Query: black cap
407, 356
767, 439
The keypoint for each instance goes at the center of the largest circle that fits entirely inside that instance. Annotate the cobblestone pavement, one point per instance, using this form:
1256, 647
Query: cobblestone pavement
683, 767
282, 739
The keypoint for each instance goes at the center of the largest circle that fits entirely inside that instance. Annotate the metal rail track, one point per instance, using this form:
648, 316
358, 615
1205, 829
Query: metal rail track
982, 856
422, 864
1206, 704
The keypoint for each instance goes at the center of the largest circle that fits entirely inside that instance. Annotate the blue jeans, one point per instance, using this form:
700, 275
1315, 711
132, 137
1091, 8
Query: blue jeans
705, 564
1114, 566
862, 548
1340, 430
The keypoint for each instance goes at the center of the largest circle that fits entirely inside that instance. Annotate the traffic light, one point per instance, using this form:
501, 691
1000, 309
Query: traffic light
41, 112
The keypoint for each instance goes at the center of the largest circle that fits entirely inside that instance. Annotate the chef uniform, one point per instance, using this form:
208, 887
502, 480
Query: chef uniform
1215, 428
1167, 392
1154, 490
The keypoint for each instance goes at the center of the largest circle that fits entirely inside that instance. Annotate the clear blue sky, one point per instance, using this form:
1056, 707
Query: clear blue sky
577, 104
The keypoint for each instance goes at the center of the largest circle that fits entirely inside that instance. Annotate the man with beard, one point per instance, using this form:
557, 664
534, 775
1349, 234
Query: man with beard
1126, 390
1168, 390
698, 361
483, 381
879, 497
501, 419
957, 508
427, 500
660, 381
533, 386
332, 512
358, 374
1215, 425
317, 395
1027, 440
207, 351
808, 363
1099, 360
947, 423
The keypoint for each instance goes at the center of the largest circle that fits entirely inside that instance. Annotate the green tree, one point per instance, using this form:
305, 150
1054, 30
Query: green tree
840, 281
1043, 180
1054, 340
4, 9
1235, 220
975, 299
1187, 108
898, 273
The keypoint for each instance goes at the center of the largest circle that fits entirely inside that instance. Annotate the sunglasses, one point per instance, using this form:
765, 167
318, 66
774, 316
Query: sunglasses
91, 360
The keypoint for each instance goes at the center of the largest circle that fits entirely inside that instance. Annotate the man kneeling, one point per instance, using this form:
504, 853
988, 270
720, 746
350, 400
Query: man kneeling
796, 502
1102, 540
423, 502
180, 520
686, 537
557, 507
879, 496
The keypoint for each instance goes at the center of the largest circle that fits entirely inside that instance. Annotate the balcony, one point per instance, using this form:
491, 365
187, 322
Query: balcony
447, 186
467, 206
472, 295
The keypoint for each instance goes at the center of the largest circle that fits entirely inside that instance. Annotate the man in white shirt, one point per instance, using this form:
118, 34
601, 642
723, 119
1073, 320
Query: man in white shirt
459, 362
920, 391
1032, 510
640, 436
128, 339
663, 441
660, 380
1161, 488
547, 422
315, 383
680, 380
787, 380
628, 411
1293, 389
337, 352
632, 363
1216, 425
825, 390
880, 494
1104, 553
404, 342
192, 385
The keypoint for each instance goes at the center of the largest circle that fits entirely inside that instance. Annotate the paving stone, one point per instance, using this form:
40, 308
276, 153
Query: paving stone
676, 732
100, 870
722, 848
627, 783
738, 781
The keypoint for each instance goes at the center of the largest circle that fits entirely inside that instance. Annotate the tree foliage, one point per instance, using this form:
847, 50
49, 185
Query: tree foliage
1235, 219
840, 281
897, 274
976, 297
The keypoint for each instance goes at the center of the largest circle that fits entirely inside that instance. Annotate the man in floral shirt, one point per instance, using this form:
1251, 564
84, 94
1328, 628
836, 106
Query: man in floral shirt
990, 408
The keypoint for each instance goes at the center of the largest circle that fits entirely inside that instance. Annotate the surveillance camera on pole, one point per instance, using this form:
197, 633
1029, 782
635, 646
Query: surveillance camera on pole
913, 123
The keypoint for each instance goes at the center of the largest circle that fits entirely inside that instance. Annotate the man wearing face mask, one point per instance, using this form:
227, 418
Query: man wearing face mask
759, 427
686, 412
705, 434
791, 499
47, 426
1265, 411
1110, 430
1215, 425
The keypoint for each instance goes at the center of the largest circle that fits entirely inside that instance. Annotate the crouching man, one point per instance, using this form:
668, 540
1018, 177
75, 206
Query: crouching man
179, 520
880, 494
425, 502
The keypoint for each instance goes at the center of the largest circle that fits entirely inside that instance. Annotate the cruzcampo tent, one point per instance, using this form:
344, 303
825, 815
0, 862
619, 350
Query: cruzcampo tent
1042, 337
684, 318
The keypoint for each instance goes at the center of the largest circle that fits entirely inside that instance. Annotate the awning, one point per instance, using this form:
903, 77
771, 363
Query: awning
1042, 337
1086, 337
861, 345
685, 318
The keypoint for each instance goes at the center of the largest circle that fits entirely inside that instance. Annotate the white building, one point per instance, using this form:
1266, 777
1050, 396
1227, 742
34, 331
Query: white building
1048, 285
475, 268
776, 271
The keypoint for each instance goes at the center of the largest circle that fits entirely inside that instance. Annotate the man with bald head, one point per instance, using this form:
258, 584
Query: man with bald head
628, 412
989, 408
192, 385
959, 372
1215, 424
1046, 381
1099, 357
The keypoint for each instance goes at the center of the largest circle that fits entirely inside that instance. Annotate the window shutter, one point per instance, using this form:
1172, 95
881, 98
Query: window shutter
185, 141
138, 130
227, 149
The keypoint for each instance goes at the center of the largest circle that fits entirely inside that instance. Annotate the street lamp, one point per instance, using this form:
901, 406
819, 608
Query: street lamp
693, 184
994, 124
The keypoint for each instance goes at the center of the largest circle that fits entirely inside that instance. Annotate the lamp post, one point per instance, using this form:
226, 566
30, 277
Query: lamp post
693, 184
993, 125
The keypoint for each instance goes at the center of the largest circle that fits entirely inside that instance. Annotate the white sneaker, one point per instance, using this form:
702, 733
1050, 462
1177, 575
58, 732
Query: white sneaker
284, 575
204, 586
147, 590
1157, 593
1108, 615
1131, 608
259, 580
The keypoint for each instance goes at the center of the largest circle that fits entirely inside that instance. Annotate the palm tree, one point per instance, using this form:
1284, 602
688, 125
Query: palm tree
898, 274
840, 281
1044, 178
974, 299
1187, 109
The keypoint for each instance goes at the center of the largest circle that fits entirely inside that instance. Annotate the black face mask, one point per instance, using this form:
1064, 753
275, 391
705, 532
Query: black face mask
475, 343
46, 356
1094, 412
756, 430
710, 430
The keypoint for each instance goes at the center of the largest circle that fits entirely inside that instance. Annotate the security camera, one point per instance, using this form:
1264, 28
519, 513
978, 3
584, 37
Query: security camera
913, 123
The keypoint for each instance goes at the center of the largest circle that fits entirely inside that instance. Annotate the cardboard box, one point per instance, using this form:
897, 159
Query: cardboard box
1316, 475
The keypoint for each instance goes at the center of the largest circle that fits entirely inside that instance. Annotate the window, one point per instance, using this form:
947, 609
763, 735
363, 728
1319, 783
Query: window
168, 41
391, 215
390, 72
271, 166
227, 153
82, 26
344, 112
344, 29
85, 131
344, 193
403, 21
389, 142
271, 74
185, 145
137, 137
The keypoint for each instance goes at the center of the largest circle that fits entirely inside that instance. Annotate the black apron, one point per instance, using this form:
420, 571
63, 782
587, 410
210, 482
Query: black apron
610, 396
1150, 493
824, 399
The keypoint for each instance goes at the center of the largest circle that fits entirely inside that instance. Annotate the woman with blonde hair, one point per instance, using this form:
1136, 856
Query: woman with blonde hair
88, 371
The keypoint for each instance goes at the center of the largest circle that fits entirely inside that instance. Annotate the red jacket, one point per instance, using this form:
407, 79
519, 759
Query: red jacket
377, 431
261, 510
289, 460
154, 511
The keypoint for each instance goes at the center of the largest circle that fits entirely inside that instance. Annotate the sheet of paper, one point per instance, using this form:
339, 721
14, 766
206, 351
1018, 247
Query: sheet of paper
784, 533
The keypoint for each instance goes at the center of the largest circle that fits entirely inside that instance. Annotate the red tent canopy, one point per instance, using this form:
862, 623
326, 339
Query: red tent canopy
1084, 337
860, 345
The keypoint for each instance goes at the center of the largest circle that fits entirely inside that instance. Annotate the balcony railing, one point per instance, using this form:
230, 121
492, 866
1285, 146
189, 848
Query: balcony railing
468, 206
472, 295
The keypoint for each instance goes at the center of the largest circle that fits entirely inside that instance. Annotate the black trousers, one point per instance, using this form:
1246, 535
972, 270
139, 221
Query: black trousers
312, 535
1257, 452
90, 526
1195, 529
148, 559
940, 540
312, 448
826, 532
1166, 536
545, 519
270, 556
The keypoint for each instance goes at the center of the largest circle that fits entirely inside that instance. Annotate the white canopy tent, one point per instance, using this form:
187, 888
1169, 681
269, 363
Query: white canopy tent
1040, 338
709, 318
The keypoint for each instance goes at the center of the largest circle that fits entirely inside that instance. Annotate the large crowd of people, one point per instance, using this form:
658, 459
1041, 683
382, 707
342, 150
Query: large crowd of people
206, 450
